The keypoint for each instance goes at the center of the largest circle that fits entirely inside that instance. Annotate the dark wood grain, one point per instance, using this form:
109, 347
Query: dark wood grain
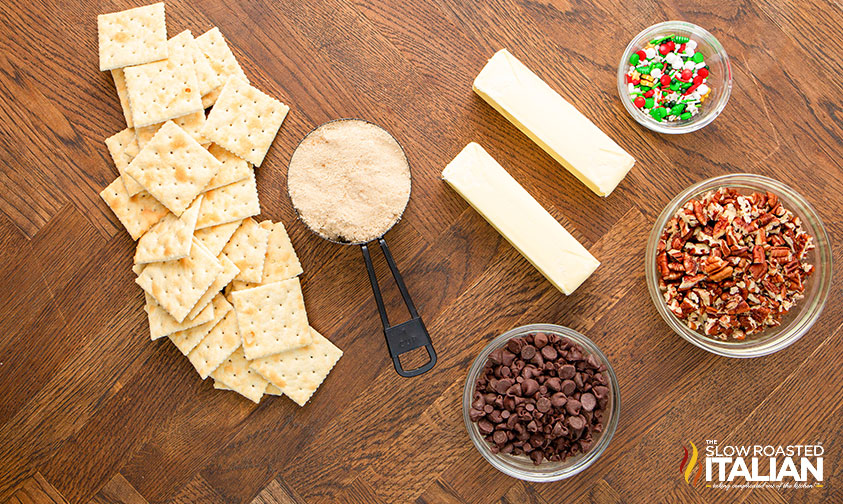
92, 411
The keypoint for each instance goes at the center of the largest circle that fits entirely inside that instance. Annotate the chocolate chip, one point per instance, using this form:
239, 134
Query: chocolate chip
540, 340
554, 384
537, 456
475, 415
549, 353
568, 387
543, 404
573, 407
529, 387
575, 422
488, 408
496, 356
485, 427
527, 352
514, 390
514, 345
588, 401
500, 437
567, 371
502, 385
558, 400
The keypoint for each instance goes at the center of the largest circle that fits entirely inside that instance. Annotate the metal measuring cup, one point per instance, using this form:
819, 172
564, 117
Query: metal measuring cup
406, 336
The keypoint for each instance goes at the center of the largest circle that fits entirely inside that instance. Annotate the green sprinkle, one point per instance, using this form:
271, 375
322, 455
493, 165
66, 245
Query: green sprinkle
643, 69
634, 59
681, 40
697, 57
658, 113
677, 109
685, 116
674, 86
649, 102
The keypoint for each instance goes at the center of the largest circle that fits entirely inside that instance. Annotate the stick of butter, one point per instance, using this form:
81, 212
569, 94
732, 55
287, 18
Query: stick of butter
553, 123
510, 209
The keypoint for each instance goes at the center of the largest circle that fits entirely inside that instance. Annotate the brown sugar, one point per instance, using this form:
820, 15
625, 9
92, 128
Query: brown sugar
349, 181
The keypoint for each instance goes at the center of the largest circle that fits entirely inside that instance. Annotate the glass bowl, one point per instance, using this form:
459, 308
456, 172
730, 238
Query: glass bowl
719, 80
520, 466
804, 313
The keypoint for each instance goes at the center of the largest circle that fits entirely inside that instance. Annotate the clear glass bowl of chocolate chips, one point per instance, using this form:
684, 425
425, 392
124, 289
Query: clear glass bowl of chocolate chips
739, 265
541, 402
674, 77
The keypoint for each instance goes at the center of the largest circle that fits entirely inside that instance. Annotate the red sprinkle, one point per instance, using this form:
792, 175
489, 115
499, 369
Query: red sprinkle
698, 80
636, 81
691, 89
686, 75
650, 93
641, 55
628, 78
665, 79
702, 72
682, 48
639, 101
664, 49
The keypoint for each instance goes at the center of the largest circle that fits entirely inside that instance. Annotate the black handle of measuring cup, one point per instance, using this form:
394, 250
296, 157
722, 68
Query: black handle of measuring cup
406, 336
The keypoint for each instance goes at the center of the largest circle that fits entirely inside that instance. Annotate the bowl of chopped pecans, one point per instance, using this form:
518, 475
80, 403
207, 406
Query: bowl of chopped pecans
541, 402
739, 265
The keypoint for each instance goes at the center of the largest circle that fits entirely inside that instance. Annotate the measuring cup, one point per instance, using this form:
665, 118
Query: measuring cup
406, 336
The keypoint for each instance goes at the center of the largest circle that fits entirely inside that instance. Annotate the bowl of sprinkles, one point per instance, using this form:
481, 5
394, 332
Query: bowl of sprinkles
739, 265
674, 77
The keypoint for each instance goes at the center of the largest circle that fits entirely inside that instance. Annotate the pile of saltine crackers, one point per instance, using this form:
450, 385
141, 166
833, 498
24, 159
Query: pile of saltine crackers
221, 286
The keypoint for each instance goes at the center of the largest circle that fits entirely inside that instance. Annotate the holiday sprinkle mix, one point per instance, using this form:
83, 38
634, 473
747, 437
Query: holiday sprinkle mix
667, 79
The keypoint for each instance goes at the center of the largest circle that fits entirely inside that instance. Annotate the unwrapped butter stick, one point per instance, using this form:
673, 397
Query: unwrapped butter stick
553, 123
510, 209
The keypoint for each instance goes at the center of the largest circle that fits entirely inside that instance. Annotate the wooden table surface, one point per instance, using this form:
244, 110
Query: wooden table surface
91, 410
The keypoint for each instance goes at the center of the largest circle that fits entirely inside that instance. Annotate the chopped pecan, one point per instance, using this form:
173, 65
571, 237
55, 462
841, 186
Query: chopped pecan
722, 274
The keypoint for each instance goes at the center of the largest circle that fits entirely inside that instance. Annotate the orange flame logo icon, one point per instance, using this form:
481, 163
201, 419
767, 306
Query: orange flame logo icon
687, 467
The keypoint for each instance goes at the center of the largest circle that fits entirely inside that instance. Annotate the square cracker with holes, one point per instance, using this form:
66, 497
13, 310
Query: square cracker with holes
132, 37
165, 89
247, 249
163, 324
281, 261
214, 348
236, 374
190, 123
244, 120
222, 61
187, 339
229, 203
271, 318
178, 285
123, 147
174, 168
229, 271
298, 373
122, 95
233, 168
137, 213
170, 239
214, 238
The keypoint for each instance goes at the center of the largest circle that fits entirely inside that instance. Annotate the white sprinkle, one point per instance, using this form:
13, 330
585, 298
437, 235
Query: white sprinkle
676, 64
700, 65
651, 53
702, 89
631, 88
656, 73
690, 45
689, 65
